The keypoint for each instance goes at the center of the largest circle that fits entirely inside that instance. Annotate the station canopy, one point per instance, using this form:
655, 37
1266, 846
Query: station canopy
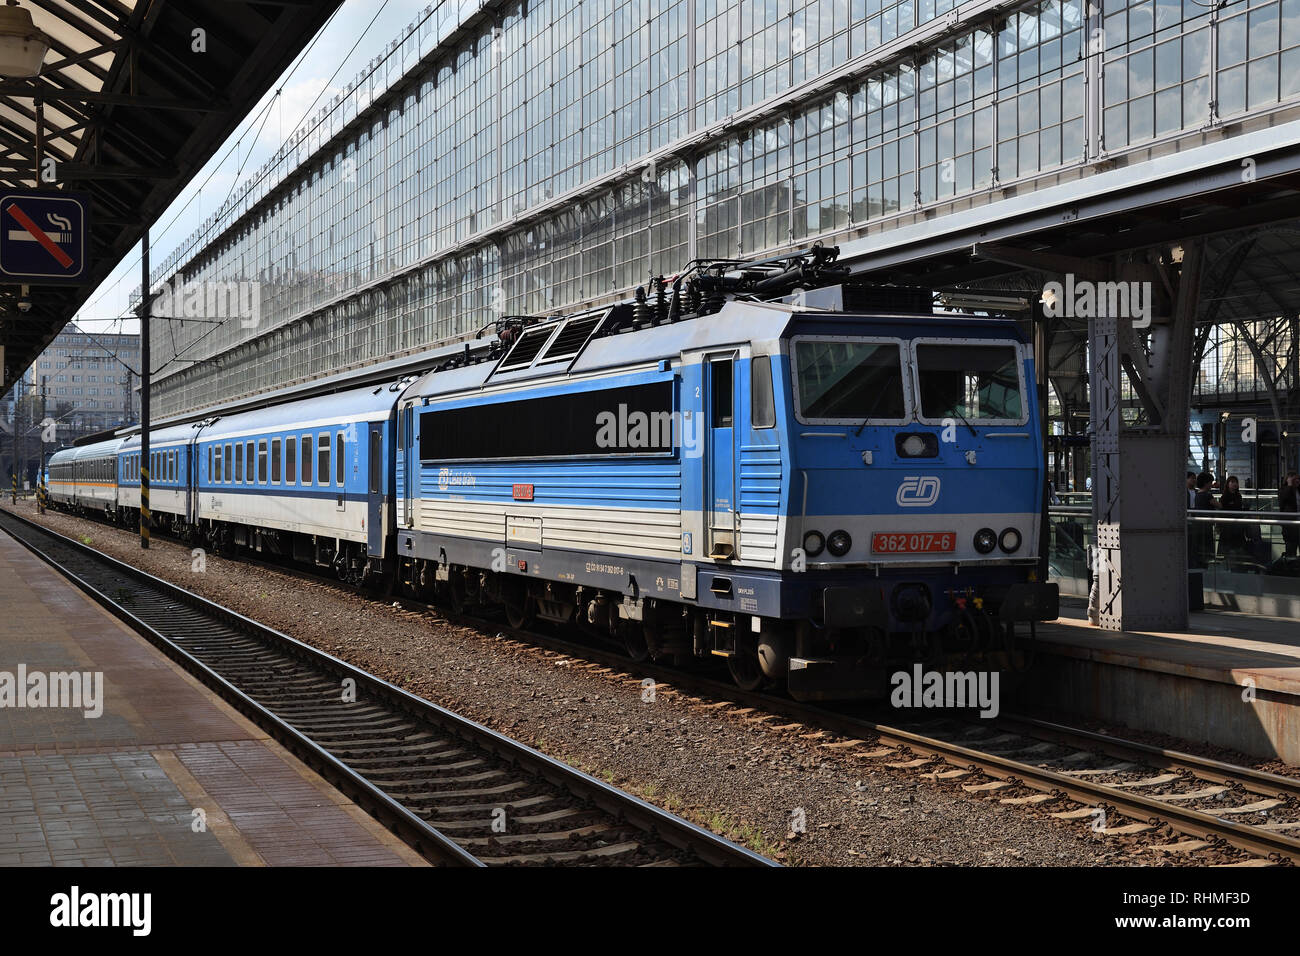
135, 96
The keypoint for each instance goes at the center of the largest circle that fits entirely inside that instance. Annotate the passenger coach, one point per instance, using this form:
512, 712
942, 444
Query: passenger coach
306, 479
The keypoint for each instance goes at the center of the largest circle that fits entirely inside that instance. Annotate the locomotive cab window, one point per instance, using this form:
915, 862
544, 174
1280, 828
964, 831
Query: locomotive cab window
842, 380
971, 381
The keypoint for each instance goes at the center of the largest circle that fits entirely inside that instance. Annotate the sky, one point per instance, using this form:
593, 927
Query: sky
307, 81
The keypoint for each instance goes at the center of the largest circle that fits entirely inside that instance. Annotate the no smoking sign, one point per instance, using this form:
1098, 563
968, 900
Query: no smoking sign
43, 237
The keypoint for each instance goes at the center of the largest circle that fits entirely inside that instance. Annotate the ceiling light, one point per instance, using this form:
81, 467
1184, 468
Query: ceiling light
22, 45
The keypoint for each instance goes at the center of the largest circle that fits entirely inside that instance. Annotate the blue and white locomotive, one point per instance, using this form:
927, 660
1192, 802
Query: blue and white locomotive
817, 493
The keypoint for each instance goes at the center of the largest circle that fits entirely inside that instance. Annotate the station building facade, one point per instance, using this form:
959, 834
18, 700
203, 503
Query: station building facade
535, 157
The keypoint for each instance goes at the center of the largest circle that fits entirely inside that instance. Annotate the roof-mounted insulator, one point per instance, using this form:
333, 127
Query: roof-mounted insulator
641, 311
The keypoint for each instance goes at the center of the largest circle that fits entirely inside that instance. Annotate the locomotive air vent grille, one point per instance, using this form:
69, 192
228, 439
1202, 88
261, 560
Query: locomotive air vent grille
526, 348
571, 338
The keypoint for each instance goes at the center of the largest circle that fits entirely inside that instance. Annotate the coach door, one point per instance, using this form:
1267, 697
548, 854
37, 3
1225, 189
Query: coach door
720, 458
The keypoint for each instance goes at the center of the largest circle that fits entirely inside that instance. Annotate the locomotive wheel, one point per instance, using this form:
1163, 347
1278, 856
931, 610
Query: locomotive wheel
457, 598
745, 668
634, 642
520, 616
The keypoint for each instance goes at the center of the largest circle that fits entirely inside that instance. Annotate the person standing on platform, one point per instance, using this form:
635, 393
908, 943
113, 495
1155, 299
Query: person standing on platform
1233, 535
1191, 489
1203, 531
1288, 499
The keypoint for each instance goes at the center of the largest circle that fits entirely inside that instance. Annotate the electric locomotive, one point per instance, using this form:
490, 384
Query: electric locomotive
819, 495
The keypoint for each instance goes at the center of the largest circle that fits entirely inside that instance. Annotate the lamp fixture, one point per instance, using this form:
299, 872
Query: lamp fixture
22, 45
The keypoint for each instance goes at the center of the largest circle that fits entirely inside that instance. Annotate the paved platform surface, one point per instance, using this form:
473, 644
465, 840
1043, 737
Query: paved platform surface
1221, 646
167, 774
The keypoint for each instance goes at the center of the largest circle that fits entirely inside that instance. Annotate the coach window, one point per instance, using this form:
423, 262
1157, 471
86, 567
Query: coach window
239, 462
290, 461
248, 460
230, 464
211, 473
762, 405
217, 473
339, 472
275, 460
261, 461
306, 459
323, 458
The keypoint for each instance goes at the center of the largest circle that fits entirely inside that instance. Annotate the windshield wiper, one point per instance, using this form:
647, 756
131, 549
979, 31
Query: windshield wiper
965, 421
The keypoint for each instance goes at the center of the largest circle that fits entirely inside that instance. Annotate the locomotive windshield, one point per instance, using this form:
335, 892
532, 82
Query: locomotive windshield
973, 382
849, 380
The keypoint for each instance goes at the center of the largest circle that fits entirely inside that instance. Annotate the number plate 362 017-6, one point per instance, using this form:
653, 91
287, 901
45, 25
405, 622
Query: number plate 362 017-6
907, 542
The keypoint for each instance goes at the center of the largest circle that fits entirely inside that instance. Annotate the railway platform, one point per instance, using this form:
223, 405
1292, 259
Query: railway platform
111, 754
1231, 680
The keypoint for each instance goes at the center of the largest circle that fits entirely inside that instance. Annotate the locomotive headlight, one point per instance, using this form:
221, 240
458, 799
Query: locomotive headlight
986, 540
1009, 541
839, 543
814, 543
913, 446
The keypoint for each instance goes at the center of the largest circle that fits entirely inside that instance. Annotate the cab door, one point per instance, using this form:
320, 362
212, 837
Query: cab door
720, 455
410, 464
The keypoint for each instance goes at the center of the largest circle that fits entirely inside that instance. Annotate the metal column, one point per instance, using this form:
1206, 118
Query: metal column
145, 301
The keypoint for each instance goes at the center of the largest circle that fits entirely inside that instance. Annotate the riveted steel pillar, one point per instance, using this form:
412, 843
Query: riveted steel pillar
1138, 494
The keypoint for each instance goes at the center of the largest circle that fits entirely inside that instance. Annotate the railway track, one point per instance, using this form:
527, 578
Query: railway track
458, 792
1210, 802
